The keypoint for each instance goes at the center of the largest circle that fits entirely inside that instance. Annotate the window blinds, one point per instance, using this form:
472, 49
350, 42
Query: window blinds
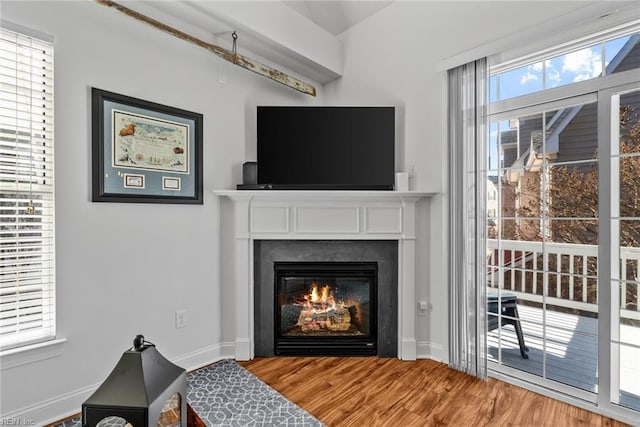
27, 276
468, 220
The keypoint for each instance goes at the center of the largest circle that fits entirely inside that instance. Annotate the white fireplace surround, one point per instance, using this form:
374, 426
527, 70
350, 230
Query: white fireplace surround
324, 215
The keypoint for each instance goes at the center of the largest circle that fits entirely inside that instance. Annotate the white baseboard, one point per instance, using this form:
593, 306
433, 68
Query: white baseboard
68, 404
32, 353
429, 350
52, 410
205, 356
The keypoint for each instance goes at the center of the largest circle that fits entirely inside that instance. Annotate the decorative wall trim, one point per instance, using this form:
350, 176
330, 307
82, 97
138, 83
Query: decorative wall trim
383, 220
270, 219
327, 219
32, 353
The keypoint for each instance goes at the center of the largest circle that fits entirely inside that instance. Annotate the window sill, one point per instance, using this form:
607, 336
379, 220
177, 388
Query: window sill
31, 353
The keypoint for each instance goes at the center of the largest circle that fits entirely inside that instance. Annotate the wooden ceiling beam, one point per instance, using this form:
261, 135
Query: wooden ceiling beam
227, 55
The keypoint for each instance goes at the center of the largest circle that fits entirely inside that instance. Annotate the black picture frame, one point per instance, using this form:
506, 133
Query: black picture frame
144, 152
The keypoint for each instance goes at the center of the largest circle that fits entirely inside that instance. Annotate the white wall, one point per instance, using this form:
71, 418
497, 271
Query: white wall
124, 269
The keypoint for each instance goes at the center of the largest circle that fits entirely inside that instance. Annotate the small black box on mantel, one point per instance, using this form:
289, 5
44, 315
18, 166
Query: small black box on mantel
249, 173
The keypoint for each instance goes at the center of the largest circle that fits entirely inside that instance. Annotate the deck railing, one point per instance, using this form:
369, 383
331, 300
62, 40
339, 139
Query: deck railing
567, 271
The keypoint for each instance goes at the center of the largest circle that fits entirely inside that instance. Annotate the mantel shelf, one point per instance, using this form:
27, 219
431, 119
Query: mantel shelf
321, 194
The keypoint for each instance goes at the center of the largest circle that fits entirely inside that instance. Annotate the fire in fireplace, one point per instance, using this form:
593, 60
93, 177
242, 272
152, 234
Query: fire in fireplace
325, 308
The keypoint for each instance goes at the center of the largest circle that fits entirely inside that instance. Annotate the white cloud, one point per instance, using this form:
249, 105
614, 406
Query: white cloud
553, 77
528, 76
582, 77
585, 64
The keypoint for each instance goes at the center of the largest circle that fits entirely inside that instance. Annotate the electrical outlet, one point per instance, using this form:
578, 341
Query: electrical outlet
423, 306
182, 319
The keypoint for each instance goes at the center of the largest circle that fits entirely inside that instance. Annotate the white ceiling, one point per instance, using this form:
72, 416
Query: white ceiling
336, 16
300, 36
306, 45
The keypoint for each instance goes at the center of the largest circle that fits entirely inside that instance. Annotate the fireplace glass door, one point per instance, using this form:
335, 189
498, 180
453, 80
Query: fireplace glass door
325, 308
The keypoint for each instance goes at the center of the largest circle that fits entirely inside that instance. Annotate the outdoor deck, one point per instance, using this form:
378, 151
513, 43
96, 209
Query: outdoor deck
571, 351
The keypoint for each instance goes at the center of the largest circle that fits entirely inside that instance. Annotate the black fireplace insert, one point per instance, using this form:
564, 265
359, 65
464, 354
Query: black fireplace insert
325, 308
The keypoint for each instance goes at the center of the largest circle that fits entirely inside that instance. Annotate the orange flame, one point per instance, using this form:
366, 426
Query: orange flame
321, 295
321, 311
314, 293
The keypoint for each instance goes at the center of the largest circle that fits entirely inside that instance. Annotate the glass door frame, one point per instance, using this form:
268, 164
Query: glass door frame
505, 372
609, 247
603, 90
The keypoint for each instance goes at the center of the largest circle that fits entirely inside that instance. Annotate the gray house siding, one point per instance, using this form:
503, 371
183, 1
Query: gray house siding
579, 140
631, 61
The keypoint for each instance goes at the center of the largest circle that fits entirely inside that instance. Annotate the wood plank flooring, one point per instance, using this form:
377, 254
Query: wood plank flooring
370, 391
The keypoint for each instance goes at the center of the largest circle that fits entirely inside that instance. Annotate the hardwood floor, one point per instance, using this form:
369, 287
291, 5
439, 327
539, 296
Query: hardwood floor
369, 391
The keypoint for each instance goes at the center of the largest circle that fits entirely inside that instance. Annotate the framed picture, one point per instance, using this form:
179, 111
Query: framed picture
143, 152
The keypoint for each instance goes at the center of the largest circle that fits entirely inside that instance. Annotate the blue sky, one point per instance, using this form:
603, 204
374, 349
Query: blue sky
573, 67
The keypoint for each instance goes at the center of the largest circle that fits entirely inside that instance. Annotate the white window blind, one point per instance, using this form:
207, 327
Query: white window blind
27, 276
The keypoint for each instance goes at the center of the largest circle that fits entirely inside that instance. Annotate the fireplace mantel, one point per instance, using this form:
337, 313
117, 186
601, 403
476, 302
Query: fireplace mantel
324, 215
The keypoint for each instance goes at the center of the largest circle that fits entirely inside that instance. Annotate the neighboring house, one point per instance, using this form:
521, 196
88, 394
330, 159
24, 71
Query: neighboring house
492, 197
492, 206
571, 136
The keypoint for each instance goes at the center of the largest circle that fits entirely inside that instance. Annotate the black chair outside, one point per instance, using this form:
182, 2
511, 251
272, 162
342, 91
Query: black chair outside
509, 311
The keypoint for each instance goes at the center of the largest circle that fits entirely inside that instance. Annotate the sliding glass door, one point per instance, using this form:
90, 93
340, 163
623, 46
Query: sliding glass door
543, 243
563, 224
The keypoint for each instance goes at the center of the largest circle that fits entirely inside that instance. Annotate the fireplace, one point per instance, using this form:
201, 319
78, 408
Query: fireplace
360, 276
264, 227
325, 308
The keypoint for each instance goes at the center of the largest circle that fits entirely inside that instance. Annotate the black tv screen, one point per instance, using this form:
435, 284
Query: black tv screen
326, 148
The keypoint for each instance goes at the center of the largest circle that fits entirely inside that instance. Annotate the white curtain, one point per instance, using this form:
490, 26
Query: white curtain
467, 213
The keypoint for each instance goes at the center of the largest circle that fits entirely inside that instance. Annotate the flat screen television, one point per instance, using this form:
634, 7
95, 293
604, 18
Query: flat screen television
326, 148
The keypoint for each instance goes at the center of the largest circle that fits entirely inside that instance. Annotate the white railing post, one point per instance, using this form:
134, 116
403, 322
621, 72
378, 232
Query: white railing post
571, 281
534, 288
585, 270
558, 276
623, 282
513, 270
629, 256
523, 274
